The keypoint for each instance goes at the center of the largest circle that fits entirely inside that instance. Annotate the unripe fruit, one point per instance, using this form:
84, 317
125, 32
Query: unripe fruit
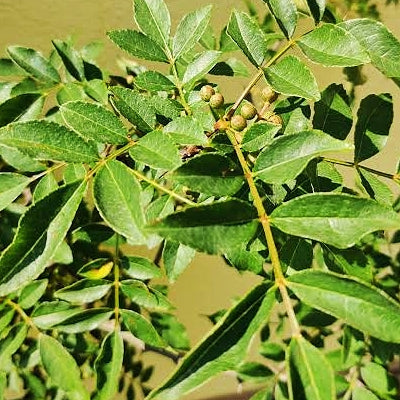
216, 100
269, 95
206, 92
238, 123
248, 111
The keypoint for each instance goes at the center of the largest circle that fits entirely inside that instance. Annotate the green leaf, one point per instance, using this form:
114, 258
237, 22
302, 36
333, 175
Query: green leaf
381, 45
378, 379
285, 13
84, 291
6, 316
138, 45
211, 174
15, 107
168, 108
108, 366
117, 197
359, 305
97, 90
313, 370
40, 232
333, 113
44, 187
11, 186
288, 155
317, 8
153, 19
84, 321
94, 122
375, 117
176, 258
186, 130
230, 67
253, 372
32, 292
189, 31
246, 33
70, 92
337, 219
154, 81
71, 59
297, 122
34, 63
144, 296
213, 228
223, 348
34, 111
96, 269
19, 160
140, 268
9, 68
292, 77
141, 328
157, 150
296, 254
259, 135
200, 66
135, 107
12, 342
361, 393
375, 188
61, 368
244, 260
3, 384
45, 140
49, 314
333, 46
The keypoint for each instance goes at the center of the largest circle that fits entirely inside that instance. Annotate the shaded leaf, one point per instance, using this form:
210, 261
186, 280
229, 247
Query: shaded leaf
337, 219
292, 77
253, 372
314, 371
138, 45
32, 292
61, 368
45, 140
379, 380
332, 46
214, 228
140, 268
157, 150
317, 8
15, 107
44, 187
189, 31
259, 135
40, 232
359, 305
97, 90
84, 291
141, 328
361, 393
9, 68
285, 13
210, 173
34, 63
70, 92
12, 342
375, 117
49, 314
375, 188
223, 348
153, 19
135, 107
71, 59
288, 155
11, 186
230, 67
117, 197
333, 114
246, 33
94, 122
108, 366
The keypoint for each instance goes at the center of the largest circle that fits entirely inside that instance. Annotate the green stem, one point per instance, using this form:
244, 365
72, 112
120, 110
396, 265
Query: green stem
265, 222
23, 315
180, 88
156, 185
116, 283
51, 169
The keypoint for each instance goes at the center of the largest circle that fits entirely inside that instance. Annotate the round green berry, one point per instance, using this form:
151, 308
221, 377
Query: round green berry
248, 111
206, 92
216, 100
269, 95
238, 123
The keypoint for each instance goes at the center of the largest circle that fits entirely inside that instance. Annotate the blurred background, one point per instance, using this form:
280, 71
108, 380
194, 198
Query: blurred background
208, 284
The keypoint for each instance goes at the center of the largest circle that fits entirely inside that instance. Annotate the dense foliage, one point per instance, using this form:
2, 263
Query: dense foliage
91, 162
